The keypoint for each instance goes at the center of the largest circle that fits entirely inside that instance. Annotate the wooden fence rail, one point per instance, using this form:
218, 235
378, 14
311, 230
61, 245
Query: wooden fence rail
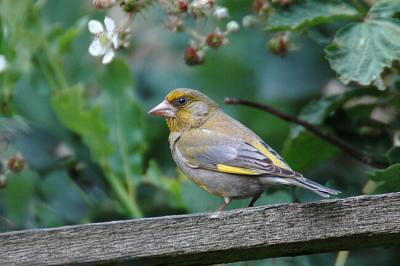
243, 234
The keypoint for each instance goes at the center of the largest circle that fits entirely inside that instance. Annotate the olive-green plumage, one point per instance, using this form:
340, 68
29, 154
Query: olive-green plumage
220, 154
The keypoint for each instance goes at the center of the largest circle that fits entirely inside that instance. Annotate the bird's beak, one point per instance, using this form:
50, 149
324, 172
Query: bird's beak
164, 109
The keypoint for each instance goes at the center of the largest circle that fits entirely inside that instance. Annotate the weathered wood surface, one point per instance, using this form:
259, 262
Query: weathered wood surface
244, 234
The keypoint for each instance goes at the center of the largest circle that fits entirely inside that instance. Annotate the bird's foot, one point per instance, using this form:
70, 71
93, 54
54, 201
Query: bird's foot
226, 202
254, 199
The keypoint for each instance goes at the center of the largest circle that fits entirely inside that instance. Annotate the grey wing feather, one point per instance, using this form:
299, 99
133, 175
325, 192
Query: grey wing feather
224, 149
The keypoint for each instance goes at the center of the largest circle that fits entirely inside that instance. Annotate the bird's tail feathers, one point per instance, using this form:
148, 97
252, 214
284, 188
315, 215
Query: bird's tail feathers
301, 182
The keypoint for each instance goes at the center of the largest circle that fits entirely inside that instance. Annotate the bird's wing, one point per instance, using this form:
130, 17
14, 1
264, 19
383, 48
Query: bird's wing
204, 148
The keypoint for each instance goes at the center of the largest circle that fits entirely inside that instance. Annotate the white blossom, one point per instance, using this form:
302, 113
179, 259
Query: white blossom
3, 63
249, 21
221, 13
200, 4
200, 7
105, 39
232, 26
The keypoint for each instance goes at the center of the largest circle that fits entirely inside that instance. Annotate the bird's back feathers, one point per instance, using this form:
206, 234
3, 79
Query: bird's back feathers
230, 148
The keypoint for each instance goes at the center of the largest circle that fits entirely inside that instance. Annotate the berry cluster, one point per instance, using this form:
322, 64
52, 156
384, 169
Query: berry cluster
184, 16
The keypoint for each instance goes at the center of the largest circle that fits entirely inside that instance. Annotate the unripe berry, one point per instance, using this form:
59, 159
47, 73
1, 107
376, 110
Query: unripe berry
183, 6
129, 5
278, 45
16, 163
221, 13
259, 6
193, 57
232, 26
215, 39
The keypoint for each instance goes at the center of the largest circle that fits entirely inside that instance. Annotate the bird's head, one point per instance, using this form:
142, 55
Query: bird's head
185, 109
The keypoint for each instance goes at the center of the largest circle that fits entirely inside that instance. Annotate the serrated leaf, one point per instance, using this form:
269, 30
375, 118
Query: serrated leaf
68, 36
388, 179
361, 51
18, 196
71, 108
173, 186
306, 151
309, 13
124, 118
306, 143
384, 9
112, 129
69, 205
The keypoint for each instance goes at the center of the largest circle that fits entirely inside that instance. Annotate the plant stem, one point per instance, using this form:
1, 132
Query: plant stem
60, 81
128, 203
359, 6
122, 150
58, 73
46, 73
347, 149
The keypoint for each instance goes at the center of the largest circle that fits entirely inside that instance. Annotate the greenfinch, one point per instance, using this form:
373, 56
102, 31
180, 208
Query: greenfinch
220, 154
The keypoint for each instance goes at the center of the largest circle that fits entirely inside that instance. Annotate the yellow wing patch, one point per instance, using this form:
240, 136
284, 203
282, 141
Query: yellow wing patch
235, 170
276, 161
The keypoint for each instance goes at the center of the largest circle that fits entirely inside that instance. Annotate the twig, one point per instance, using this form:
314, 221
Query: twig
364, 158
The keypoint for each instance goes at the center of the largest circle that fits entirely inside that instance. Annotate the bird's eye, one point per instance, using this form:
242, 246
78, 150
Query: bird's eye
182, 101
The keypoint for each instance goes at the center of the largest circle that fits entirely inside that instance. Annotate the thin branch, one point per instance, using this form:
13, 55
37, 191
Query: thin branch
347, 149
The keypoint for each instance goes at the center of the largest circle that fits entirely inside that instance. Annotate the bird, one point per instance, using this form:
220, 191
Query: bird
221, 155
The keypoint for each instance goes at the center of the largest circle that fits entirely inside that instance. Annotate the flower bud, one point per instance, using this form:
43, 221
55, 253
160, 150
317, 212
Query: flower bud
259, 6
183, 6
278, 45
249, 21
215, 39
3, 181
193, 57
130, 5
221, 13
174, 23
103, 4
16, 163
232, 26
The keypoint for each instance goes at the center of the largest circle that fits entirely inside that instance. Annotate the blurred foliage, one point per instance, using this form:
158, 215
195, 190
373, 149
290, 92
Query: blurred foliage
94, 155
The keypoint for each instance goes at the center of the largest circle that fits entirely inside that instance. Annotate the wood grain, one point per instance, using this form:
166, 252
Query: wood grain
243, 234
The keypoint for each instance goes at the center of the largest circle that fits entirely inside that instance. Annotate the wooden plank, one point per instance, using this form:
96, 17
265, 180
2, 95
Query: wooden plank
243, 234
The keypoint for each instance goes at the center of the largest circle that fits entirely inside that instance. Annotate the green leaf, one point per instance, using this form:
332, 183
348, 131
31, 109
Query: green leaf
306, 151
124, 118
69, 205
388, 179
393, 155
309, 13
71, 108
21, 42
112, 129
361, 51
385, 9
303, 142
17, 197
171, 185
68, 36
